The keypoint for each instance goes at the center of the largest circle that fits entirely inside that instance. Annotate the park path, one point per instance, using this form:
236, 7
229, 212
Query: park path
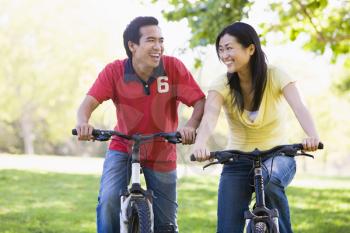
87, 165
81, 165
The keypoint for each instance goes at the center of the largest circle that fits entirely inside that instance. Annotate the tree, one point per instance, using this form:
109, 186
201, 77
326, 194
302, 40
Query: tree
322, 24
206, 18
325, 24
44, 57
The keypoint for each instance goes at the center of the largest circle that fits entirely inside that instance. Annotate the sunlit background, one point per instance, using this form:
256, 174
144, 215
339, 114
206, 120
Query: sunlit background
51, 51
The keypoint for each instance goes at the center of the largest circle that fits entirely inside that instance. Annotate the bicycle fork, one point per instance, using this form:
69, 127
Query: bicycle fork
260, 213
128, 198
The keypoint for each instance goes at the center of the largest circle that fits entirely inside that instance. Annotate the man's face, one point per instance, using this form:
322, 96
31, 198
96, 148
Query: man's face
150, 48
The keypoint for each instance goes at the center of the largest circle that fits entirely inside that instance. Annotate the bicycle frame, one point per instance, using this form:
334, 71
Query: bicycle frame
135, 195
135, 191
260, 213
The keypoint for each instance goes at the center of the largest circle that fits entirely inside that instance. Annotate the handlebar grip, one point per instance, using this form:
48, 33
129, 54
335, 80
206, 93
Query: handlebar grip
320, 145
95, 132
74, 132
212, 155
300, 146
193, 158
178, 134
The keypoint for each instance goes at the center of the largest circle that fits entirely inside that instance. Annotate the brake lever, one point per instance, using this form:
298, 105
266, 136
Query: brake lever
306, 154
209, 164
173, 140
221, 161
102, 137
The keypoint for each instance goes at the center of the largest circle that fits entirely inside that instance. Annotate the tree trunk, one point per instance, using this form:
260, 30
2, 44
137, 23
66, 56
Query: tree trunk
28, 136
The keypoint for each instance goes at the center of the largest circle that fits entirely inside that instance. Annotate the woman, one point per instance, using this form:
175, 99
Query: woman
251, 94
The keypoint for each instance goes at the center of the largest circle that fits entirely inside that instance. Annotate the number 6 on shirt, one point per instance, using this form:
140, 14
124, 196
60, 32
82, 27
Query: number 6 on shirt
162, 84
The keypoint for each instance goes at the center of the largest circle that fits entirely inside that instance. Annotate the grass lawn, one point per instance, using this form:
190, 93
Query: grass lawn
65, 203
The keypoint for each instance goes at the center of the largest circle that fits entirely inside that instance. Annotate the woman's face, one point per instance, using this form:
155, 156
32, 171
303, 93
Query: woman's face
233, 54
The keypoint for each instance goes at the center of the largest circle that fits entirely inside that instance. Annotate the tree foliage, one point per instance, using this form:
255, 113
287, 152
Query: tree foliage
205, 18
43, 57
324, 24
321, 24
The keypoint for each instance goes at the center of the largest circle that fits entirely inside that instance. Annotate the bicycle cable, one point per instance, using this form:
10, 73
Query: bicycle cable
144, 148
128, 168
269, 174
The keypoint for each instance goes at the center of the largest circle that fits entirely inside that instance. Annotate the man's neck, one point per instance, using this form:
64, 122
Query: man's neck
142, 71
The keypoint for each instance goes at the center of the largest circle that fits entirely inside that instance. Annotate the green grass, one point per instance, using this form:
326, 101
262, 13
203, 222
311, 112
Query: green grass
46, 202
65, 203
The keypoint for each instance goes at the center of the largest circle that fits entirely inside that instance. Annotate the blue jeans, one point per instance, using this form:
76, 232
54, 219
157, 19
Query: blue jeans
114, 180
235, 192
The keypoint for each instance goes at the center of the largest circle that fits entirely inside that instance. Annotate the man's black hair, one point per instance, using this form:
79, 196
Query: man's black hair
132, 31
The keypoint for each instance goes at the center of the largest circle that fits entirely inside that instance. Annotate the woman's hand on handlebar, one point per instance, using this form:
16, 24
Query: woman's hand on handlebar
311, 143
84, 131
201, 153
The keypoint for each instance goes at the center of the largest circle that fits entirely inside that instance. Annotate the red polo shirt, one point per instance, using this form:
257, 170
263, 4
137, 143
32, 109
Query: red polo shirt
147, 108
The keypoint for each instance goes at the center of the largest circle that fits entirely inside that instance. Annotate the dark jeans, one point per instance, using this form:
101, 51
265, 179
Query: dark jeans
235, 192
114, 179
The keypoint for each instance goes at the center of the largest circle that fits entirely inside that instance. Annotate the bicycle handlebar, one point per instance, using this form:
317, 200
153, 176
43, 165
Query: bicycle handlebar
105, 135
230, 155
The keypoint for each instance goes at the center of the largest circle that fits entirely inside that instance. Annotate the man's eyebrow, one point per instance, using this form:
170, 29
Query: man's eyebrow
153, 37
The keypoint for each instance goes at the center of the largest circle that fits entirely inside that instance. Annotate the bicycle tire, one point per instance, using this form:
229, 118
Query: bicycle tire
260, 227
140, 221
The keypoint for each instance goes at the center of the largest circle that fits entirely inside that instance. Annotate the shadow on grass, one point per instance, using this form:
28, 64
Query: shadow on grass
47, 202
312, 210
320, 210
65, 203
197, 204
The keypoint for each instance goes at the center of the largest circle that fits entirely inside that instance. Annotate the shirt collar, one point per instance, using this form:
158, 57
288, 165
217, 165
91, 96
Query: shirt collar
130, 75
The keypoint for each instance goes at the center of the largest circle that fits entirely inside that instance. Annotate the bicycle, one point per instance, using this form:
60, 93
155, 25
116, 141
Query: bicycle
260, 219
136, 212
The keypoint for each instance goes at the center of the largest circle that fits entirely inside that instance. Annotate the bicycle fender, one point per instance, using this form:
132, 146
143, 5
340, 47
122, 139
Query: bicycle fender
124, 203
150, 206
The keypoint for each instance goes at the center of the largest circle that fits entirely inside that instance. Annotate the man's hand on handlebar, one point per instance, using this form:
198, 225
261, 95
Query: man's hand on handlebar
84, 131
188, 135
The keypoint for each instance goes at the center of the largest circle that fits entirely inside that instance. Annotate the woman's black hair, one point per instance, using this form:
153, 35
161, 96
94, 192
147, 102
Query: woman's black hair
246, 35
132, 31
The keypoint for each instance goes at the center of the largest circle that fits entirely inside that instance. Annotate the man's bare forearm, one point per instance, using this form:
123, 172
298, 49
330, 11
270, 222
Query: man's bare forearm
197, 114
86, 108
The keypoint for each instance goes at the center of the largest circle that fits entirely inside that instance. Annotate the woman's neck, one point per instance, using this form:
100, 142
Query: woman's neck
246, 84
245, 80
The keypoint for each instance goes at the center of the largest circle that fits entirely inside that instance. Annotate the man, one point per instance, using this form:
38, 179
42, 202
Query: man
146, 89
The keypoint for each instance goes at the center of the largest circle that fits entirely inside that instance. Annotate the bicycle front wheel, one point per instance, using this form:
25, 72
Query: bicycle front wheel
260, 227
140, 221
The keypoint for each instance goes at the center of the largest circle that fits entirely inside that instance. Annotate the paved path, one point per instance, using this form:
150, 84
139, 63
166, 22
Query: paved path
83, 165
